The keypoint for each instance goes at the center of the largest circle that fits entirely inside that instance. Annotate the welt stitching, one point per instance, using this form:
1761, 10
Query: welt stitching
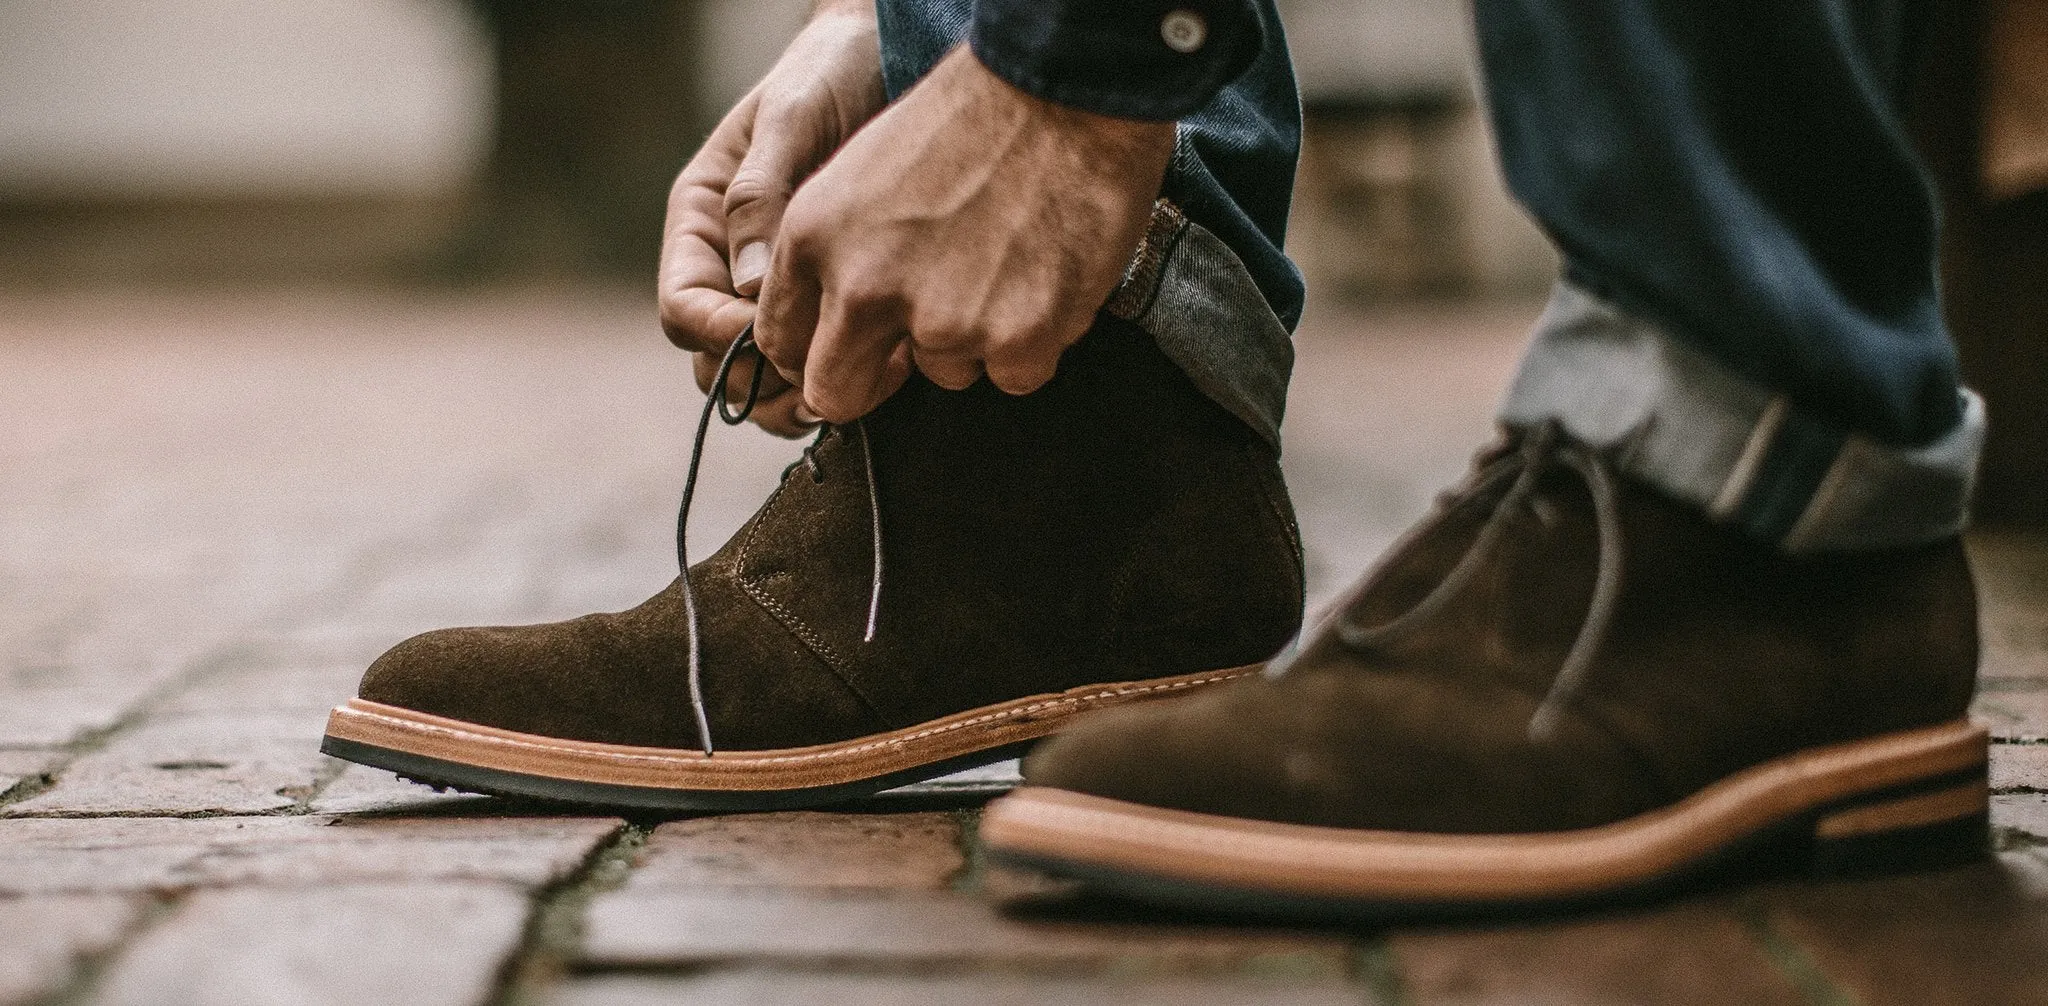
837, 753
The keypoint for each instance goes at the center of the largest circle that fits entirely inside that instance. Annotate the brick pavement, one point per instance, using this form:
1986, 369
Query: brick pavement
217, 510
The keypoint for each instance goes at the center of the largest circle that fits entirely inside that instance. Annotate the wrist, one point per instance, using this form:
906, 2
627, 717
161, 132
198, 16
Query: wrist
1120, 137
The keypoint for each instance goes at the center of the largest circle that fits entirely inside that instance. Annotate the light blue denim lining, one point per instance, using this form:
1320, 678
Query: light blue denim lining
1197, 298
1673, 417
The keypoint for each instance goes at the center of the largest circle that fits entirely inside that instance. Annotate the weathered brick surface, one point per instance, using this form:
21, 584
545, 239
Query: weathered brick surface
1688, 953
795, 989
438, 942
46, 937
2019, 767
2013, 715
987, 781
18, 765
245, 762
111, 854
126, 854
277, 680
217, 518
524, 851
683, 927
2012, 571
363, 790
801, 850
2021, 812
1975, 935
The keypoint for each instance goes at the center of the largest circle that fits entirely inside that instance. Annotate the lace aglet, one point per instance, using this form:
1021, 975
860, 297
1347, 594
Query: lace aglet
1543, 725
875, 529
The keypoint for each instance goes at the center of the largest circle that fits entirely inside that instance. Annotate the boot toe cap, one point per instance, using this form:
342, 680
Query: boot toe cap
447, 672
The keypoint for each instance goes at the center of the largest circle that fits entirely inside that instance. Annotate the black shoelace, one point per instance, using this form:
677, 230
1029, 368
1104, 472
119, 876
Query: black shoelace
1538, 450
715, 402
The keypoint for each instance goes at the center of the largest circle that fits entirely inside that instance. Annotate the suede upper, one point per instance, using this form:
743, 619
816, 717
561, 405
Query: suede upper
1114, 525
1721, 653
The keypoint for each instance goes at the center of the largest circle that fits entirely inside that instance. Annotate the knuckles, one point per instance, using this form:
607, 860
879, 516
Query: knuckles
752, 187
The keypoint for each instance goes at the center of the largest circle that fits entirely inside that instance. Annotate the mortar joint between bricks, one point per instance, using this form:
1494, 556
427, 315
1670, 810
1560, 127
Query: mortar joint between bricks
552, 938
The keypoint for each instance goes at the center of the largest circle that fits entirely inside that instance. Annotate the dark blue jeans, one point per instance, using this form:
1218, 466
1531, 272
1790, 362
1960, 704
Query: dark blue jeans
1749, 316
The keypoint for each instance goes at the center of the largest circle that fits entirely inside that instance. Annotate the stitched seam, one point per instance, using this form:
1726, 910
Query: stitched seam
1290, 530
836, 753
817, 645
1146, 270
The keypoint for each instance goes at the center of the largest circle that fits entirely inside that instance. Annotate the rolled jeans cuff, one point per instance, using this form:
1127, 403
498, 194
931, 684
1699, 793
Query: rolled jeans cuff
1199, 302
1671, 416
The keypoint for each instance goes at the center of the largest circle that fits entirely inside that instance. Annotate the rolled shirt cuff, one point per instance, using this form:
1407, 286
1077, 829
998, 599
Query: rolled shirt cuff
1157, 60
1671, 416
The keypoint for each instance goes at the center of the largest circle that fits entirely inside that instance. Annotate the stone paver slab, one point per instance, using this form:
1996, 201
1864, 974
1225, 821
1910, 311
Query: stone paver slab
2021, 812
128, 854
46, 936
45, 856
2013, 714
969, 785
1688, 953
2019, 767
525, 851
16, 766
647, 927
802, 849
281, 683
360, 789
1975, 935
787, 989
196, 763
426, 943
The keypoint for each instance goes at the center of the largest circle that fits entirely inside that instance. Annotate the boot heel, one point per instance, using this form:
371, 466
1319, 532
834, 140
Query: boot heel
1923, 831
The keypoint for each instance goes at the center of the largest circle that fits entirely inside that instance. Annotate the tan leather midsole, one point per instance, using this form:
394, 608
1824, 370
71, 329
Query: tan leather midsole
399, 729
1422, 867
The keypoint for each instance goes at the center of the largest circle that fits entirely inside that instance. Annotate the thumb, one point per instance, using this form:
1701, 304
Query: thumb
779, 156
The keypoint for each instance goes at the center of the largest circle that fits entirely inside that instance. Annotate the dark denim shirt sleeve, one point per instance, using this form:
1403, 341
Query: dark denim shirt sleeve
1114, 57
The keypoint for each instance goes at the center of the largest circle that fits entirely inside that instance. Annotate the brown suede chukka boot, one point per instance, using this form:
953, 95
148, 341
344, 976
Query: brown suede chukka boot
1113, 537
1563, 689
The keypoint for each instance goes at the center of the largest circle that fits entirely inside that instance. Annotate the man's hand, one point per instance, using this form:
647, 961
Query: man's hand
727, 206
970, 227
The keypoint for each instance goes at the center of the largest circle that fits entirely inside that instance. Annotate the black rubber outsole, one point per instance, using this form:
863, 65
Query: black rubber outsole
498, 782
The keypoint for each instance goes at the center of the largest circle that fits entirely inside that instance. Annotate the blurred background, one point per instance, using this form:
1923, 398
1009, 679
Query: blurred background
432, 145
327, 322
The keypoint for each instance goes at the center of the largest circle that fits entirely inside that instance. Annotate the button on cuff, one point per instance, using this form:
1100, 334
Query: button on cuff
1183, 30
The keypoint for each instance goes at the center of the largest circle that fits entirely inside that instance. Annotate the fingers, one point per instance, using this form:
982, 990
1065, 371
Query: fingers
785, 147
698, 309
788, 314
858, 358
952, 370
1021, 369
702, 319
779, 407
1024, 344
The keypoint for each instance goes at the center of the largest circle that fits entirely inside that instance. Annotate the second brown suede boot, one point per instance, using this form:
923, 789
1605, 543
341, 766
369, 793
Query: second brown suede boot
1563, 689
944, 582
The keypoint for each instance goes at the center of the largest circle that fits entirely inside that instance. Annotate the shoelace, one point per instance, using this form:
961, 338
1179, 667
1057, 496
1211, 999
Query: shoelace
715, 402
1524, 467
